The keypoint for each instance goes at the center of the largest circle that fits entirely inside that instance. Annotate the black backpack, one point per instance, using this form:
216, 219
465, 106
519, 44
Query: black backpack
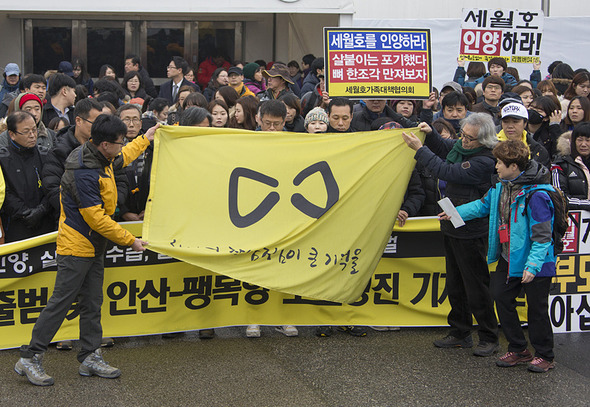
560, 223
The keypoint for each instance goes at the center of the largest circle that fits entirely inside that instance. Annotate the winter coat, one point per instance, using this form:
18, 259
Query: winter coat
297, 125
22, 173
268, 95
45, 139
89, 200
531, 245
54, 164
361, 121
466, 181
509, 80
254, 86
310, 82
547, 136
414, 196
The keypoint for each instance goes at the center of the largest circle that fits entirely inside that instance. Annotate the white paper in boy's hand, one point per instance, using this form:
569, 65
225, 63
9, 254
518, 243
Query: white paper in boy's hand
451, 211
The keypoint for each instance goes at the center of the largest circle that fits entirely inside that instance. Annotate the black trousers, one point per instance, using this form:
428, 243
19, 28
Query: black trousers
505, 290
468, 281
75, 275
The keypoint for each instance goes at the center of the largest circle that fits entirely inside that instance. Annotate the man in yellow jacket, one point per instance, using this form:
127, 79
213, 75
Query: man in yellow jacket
88, 202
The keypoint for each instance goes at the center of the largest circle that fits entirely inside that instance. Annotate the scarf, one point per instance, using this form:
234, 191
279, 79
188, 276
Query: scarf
502, 137
458, 152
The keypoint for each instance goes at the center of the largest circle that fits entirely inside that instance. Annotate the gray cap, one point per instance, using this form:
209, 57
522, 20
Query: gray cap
454, 85
12, 69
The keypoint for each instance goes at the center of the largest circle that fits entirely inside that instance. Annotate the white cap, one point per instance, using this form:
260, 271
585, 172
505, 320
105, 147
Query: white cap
516, 110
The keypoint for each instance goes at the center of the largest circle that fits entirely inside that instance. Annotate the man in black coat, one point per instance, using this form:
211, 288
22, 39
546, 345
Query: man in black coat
25, 209
175, 70
467, 166
86, 111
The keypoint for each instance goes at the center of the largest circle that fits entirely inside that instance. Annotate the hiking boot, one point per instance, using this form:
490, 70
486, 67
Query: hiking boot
253, 331
540, 365
94, 364
206, 333
33, 369
287, 330
324, 331
450, 341
510, 359
486, 348
354, 330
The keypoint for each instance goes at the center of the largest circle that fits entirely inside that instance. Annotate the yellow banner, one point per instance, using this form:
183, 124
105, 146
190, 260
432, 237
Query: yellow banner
302, 214
148, 293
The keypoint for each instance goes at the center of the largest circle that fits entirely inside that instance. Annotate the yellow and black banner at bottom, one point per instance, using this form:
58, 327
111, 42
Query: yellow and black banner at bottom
149, 293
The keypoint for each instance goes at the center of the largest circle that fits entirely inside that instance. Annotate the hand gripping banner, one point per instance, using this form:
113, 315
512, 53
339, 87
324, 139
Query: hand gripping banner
298, 213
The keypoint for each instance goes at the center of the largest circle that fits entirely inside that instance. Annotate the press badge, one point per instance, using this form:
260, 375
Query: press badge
504, 233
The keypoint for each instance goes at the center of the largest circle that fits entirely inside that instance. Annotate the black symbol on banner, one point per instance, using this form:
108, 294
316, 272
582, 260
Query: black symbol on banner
299, 201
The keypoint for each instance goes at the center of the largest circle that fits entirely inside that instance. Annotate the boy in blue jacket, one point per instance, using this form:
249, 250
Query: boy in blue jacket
520, 240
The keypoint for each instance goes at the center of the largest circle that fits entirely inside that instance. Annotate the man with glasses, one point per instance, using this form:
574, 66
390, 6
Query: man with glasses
25, 212
493, 87
467, 166
88, 204
175, 70
129, 205
86, 111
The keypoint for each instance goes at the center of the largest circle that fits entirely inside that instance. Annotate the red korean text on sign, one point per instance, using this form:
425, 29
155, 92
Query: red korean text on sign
481, 42
367, 67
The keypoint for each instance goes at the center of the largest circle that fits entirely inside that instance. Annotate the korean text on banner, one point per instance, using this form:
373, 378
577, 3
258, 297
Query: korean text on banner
379, 64
514, 35
304, 215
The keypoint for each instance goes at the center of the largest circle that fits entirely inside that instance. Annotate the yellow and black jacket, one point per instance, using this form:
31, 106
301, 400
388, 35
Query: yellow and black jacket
89, 199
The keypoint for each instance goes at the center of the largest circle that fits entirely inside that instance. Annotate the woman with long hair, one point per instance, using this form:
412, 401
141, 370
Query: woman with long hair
81, 75
578, 111
245, 113
219, 112
218, 79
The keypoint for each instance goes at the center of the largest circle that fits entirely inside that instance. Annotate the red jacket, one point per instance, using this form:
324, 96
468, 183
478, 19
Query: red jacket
206, 69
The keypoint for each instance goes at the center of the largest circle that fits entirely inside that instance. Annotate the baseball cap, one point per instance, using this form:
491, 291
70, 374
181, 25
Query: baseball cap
515, 110
234, 69
12, 69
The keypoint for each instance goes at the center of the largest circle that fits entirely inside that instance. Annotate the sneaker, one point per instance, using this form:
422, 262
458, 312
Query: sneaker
510, 359
206, 333
253, 331
450, 341
540, 365
486, 348
33, 369
94, 364
287, 330
324, 331
354, 330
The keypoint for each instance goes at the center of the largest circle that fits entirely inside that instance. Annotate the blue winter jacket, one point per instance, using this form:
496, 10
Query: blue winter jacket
531, 245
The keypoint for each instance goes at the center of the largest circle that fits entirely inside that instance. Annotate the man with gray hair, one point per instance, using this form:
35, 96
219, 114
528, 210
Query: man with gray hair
467, 166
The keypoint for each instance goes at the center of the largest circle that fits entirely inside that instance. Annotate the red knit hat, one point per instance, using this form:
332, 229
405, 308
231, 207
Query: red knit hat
28, 96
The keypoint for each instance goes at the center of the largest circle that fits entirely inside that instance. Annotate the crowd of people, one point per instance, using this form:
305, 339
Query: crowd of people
492, 139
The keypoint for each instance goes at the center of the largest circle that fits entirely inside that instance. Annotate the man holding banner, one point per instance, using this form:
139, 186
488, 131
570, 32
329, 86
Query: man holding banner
467, 165
88, 202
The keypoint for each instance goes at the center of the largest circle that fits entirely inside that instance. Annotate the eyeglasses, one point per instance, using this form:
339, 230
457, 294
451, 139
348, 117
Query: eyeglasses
26, 132
121, 143
171, 67
86, 120
129, 120
467, 136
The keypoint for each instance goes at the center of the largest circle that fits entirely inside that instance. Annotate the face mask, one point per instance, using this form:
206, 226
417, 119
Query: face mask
535, 117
